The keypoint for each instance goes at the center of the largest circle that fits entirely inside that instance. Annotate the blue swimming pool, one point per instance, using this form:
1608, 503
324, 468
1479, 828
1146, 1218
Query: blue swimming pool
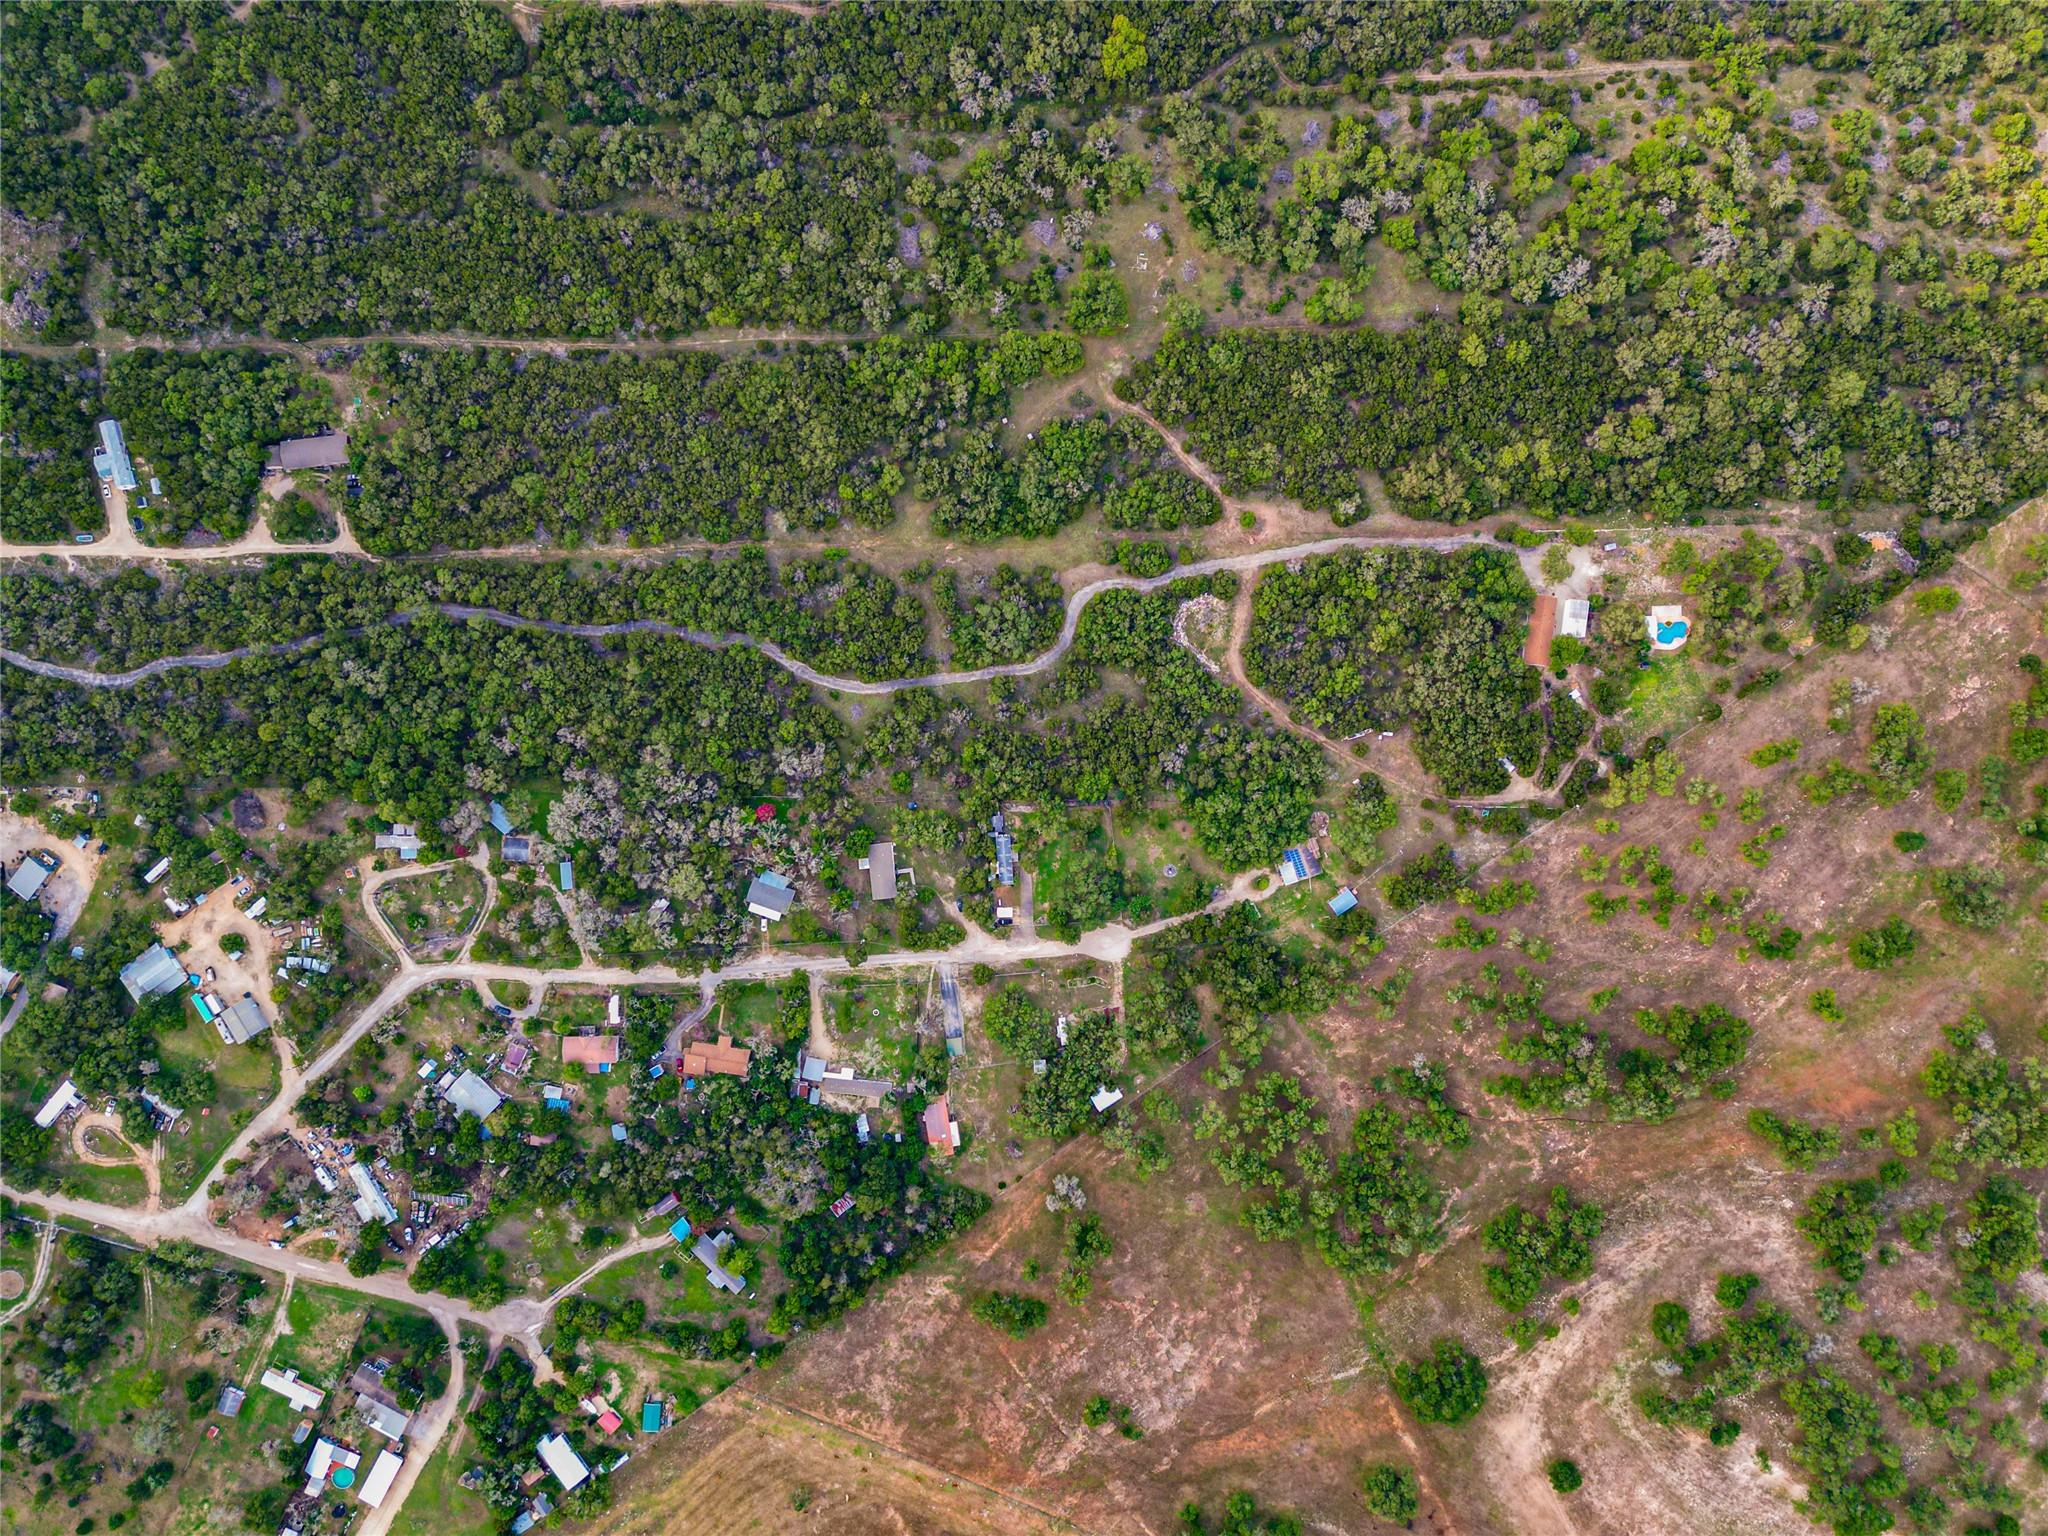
1671, 633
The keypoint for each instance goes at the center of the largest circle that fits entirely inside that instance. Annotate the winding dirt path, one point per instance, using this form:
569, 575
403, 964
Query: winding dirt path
1079, 599
45, 1249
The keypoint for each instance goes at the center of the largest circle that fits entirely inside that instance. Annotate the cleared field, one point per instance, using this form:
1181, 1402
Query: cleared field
743, 1464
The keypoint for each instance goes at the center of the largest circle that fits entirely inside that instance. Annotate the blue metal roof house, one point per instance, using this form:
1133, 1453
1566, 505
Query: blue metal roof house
111, 462
566, 876
1343, 901
500, 821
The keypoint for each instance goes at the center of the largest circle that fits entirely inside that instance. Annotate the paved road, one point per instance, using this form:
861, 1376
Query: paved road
1076, 601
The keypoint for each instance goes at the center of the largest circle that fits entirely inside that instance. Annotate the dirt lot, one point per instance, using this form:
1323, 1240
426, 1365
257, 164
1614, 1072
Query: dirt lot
65, 892
202, 929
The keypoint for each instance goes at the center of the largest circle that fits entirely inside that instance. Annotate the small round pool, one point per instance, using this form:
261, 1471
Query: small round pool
344, 1477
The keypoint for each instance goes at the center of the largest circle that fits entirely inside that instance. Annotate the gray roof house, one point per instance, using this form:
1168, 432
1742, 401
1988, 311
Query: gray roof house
241, 1023
28, 879
770, 896
153, 973
881, 867
473, 1096
518, 850
388, 1419
708, 1250
111, 462
327, 451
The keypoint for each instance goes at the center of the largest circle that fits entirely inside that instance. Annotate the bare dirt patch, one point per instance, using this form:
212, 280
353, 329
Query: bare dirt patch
201, 931
64, 894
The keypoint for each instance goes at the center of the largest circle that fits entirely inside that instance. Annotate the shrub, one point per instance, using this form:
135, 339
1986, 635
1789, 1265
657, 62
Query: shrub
1097, 304
1822, 1002
1802, 1146
1973, 896
1011, 1313
1428, 877
1391, 1491
1446, 1387
1937, 600
1875, 949
1772, 752
1909, 842
1565, 1475
1731, 1291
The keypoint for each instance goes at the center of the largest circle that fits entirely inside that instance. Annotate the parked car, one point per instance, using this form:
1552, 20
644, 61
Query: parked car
81, 538
136, 524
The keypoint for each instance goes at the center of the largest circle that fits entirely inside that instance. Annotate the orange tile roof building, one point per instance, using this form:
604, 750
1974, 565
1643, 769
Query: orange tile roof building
938, 1127
704, 1058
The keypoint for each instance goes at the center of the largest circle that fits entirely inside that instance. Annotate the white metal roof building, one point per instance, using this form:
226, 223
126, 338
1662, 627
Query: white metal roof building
383, 1473
242, 1023
26, 881
286, 1384
387, 1419
153, 973
372, 1204
473, 1096
54, 1107
560, 1458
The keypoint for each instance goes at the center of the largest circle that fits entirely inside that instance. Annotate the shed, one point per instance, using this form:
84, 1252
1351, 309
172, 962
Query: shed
770, 896
230, 1401
152, 973
881, 867
1343, 901
1542, 627
1106, 1098
242, 1023
26, 881
1574, 617
471, 1095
